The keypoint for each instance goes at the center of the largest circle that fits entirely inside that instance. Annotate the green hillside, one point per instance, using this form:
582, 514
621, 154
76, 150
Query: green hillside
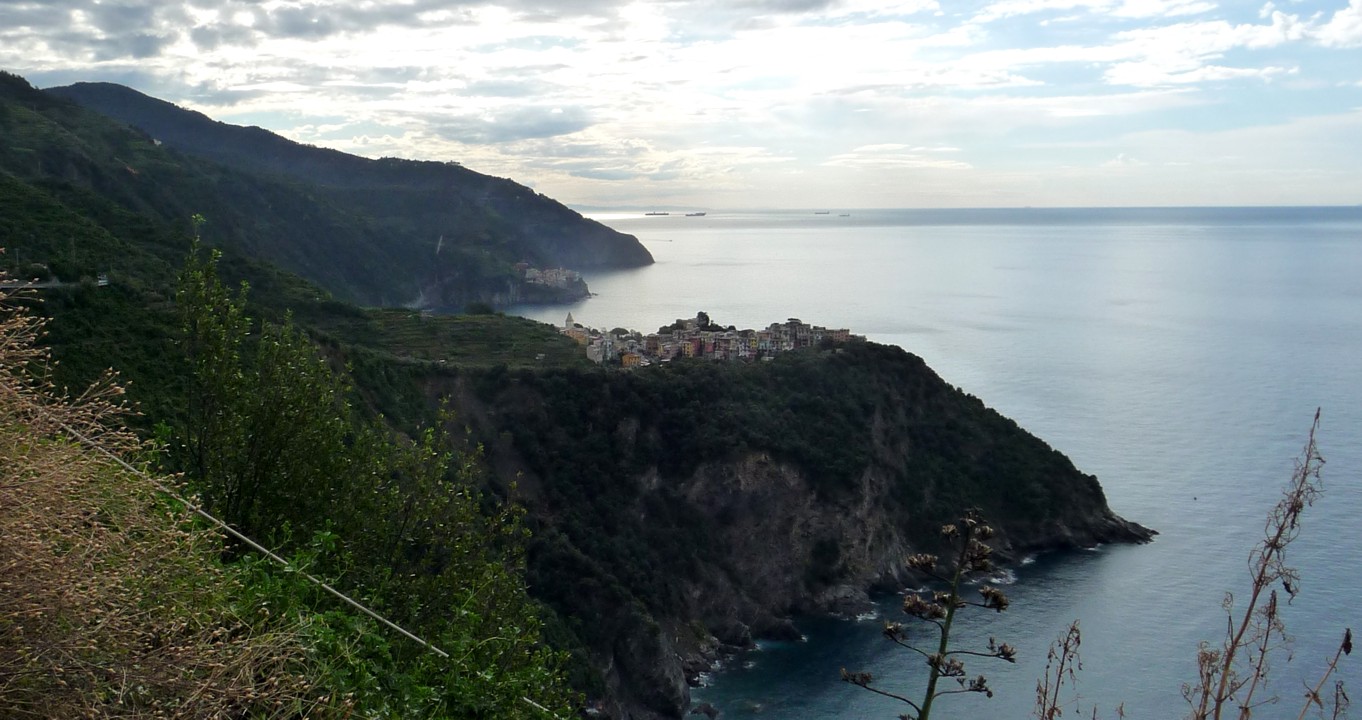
675, 510
379, 244
472, 226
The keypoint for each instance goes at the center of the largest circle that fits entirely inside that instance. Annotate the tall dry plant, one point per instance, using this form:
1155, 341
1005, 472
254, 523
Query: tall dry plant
1232, 676
111, 603
973, 557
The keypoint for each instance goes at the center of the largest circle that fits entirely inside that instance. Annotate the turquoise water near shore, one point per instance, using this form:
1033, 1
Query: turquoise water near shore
1177, 354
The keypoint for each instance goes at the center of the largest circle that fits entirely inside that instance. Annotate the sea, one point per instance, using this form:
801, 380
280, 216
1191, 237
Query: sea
1179, 355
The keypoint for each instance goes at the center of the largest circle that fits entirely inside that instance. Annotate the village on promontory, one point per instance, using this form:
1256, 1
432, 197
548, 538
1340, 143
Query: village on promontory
699, 337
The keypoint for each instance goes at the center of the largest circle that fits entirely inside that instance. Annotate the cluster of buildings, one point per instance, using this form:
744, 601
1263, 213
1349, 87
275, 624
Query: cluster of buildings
698, 338
552, 277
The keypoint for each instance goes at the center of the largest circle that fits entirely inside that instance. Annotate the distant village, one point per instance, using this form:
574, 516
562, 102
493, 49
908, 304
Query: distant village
698, 337
551, 277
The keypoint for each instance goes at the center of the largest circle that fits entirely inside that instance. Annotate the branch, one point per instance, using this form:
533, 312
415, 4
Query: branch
917, 650
1312, 696
975, 653
878, 691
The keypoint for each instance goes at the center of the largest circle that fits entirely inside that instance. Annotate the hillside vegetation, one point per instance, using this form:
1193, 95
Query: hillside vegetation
469, 226
117, 601
393, 233
674, 512
701, 504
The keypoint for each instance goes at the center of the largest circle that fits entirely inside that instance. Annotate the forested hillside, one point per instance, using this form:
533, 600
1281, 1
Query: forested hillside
672, 512
410, 234
411, 202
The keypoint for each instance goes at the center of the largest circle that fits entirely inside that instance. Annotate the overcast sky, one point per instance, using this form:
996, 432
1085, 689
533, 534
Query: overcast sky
766, 103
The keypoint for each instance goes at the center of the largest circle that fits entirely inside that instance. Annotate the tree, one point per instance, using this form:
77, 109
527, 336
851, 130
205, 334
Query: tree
265, 436
275, 448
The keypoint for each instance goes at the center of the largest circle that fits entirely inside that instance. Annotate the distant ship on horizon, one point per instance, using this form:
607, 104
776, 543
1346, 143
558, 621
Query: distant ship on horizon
695, 214
657, 213
822, 212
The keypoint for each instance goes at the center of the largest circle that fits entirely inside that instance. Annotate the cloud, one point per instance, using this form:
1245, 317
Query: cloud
1124, 160
90, 30
893, 157
1152, 74
707, 97
511, 124
146, 28
1344, 28
1161, 55
1129, 9
526, 86
209, 38
784, 6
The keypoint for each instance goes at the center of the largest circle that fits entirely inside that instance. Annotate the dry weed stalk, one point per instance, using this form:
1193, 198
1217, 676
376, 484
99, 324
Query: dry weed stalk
974, 556
111, 602
1231, 675
1062, 664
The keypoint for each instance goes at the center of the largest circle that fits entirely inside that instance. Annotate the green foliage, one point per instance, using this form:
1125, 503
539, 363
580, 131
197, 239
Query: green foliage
86, 197
273, 446
379, 232
876, 406
588, 436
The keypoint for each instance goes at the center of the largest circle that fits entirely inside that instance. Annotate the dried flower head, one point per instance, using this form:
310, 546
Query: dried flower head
994, 599
857, 678
922, 562
914, 605
1002, 651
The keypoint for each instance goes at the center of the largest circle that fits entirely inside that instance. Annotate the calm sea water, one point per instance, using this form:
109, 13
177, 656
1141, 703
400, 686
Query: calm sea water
1179, 355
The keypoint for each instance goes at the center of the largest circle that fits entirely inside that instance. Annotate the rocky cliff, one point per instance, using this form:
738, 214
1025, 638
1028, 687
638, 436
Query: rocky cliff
682, 512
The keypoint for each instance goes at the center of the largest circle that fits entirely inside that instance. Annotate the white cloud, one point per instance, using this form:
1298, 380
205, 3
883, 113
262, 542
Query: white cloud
1344, 29
1152, 74
894, 161
881, 8
1123, 160
1161, 8
1177, 54
591, 100
1131, 9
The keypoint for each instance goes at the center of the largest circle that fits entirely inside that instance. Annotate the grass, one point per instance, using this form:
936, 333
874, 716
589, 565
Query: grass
112, 603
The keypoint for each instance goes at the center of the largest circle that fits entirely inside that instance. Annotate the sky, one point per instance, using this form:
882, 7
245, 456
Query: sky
766, 103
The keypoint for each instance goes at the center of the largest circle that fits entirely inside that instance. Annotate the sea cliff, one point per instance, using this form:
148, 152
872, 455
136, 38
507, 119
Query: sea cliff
683, 511
675, 510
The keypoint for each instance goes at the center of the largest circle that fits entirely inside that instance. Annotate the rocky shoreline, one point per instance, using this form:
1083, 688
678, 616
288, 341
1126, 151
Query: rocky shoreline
693, 649
848, 601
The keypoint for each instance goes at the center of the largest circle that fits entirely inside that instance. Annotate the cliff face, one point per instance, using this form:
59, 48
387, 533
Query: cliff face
685, 511
787, 552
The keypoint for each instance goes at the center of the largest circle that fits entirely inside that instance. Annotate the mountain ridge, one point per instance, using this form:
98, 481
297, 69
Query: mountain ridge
377, 232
